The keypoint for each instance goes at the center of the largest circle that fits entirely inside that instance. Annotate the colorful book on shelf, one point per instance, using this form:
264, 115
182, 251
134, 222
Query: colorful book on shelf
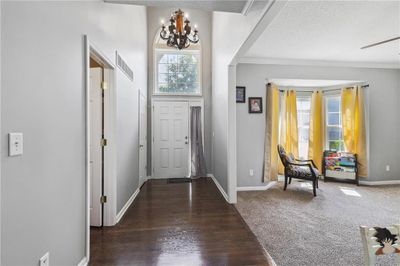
340, 161
351, 164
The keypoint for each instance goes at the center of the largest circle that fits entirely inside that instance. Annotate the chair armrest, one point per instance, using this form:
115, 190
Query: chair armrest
312, 162
300, 164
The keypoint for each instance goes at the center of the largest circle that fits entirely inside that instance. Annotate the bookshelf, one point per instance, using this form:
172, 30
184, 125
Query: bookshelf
340, 166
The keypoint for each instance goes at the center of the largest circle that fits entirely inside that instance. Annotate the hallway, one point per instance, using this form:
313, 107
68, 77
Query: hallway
177, 224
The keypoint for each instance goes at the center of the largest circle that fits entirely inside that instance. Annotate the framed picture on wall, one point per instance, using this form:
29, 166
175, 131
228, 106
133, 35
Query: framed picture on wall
240, 94
255, 105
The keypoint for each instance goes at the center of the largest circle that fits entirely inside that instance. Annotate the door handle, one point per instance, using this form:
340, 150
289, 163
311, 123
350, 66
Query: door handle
186, 142
141, 146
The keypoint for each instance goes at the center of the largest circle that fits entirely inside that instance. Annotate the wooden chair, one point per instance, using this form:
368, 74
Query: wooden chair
300, 169
380, 241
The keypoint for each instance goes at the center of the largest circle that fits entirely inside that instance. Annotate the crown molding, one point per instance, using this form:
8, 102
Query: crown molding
299, 62
247, 7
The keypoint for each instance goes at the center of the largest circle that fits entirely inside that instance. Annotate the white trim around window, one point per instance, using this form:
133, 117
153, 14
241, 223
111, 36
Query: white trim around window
172, 51
335, 94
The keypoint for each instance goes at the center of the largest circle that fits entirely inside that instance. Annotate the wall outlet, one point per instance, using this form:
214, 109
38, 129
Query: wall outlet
251, 172
44, 261
15, 144
387, 168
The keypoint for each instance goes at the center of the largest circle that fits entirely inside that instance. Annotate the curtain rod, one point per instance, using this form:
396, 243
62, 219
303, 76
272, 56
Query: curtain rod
327, 90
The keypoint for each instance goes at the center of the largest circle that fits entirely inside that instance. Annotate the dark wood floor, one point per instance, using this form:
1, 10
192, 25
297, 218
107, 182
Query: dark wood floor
178, 224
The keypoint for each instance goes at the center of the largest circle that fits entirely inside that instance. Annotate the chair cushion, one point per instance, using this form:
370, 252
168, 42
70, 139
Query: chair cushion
302, 172
285, 157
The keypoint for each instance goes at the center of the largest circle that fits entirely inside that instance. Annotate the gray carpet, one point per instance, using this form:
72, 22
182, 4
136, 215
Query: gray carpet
299, 229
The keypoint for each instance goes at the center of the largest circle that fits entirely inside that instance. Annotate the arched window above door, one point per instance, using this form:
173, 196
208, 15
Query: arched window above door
176, 72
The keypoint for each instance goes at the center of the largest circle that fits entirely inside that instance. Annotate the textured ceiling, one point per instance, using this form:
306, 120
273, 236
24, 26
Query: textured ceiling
311, 83
214, 5
332, 31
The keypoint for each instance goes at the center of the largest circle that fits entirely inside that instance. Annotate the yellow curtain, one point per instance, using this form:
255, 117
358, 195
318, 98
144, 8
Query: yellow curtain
316, 137
289, 133
353, 123
271, 134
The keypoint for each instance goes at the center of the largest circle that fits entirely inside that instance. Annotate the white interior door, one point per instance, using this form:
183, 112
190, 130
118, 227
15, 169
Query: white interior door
171, 139
142, 139
95, 146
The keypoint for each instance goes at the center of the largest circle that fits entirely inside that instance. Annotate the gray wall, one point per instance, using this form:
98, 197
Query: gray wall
203, 20
127, 134
43, 96
224, 48
383, 106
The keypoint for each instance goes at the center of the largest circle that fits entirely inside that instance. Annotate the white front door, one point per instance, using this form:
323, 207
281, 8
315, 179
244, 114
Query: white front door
96, 131
142, 139
171, 139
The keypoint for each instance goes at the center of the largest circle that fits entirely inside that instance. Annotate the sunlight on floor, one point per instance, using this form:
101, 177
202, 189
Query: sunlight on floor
350, 191
306, 185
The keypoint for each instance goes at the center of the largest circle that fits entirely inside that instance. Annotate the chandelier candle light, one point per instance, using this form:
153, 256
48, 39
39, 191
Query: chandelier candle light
179, 31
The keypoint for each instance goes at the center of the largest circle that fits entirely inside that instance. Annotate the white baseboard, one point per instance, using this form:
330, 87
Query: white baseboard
83, 262
126, 206
144, 181
219, 187
157, 177
257, 188
380, 183
164, 177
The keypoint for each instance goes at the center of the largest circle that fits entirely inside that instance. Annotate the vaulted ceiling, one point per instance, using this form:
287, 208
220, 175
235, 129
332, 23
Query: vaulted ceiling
235, 6
332, 31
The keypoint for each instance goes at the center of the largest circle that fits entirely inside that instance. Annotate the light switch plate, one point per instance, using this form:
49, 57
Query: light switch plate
15, 144
44, 261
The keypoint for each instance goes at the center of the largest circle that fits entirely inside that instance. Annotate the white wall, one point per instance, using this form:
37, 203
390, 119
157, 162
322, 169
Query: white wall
225, 45
203, 20
43, 191
127, 134
384, 96
1, 150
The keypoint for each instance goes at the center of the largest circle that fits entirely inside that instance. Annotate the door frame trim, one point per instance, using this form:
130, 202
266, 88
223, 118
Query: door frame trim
192, 101
110, 185
141, 94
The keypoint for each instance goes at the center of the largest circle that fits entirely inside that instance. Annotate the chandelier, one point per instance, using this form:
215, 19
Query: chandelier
179, 33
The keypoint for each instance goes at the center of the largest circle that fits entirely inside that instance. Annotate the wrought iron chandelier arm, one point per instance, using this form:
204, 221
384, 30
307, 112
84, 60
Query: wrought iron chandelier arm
194, 38
163, 33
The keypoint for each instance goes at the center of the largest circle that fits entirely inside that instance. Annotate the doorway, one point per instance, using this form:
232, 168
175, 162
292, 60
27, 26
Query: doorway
170, 136
97, 143
142, 138
171, 139
100, 130
100, 159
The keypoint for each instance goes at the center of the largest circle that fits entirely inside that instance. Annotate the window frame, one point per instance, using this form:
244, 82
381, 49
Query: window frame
192, 51
308, 95
327, 125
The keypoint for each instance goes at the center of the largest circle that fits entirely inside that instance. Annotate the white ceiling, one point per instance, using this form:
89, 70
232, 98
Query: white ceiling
332, 31
311, 83
235, 6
